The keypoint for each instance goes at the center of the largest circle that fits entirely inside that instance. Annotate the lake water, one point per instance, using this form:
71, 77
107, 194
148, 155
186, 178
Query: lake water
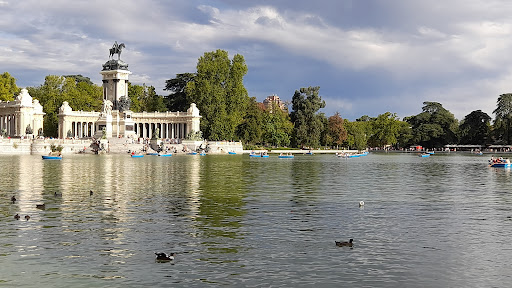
442, 221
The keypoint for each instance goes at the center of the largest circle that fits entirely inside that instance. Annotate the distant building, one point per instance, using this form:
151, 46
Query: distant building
274, 99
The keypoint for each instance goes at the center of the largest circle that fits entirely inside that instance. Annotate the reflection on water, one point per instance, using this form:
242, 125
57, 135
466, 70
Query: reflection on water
440, 221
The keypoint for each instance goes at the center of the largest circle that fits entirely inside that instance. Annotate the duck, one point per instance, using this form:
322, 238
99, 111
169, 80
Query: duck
17, 217
342, 244
13, 199
90, 192
361, 203
164, 257
27, 217
41, 206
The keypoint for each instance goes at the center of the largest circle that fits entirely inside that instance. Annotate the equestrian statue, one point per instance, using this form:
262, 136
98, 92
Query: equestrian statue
116, 49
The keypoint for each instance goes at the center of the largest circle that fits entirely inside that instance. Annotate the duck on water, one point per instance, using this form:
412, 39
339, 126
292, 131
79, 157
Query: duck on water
163, 257
344, 244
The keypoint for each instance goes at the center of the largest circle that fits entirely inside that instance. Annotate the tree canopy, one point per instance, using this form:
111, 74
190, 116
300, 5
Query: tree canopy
475, 128
503, 121
308, 125
8, 88
56, 89
177, 100
219, 93
434, 127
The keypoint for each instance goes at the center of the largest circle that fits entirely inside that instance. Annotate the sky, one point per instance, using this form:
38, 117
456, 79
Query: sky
367, 56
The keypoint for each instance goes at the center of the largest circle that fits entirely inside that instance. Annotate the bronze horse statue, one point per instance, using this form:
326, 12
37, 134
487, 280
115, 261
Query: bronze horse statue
116, 49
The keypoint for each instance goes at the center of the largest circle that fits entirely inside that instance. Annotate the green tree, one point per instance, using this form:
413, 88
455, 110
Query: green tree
136, 94
336, 133
356, 134
51, 98
385, 130
404, 135
475, 128
177, 100
277, 127
502, 122
153, 102
81, 95
434, 127
308, 124
251, 128
219, 94
144, 98
80, 79
8, 88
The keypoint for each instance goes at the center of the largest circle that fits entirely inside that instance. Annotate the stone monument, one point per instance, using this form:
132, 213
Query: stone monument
115, 115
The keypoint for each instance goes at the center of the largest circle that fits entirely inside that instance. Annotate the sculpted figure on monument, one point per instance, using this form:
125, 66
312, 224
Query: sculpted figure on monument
116, 49
107, 107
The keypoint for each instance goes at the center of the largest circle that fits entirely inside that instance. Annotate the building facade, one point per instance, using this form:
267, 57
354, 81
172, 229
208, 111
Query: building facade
21, 117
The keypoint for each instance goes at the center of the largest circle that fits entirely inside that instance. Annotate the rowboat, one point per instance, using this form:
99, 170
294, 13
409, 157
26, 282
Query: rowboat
500, 163
231, 153
165, 155
137, 155
258, 155
47, 157
424, 155
352, 155
152, 154
192, 153
286, 156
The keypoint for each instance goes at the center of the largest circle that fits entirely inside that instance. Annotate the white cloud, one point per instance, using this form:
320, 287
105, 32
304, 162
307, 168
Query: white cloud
454, 52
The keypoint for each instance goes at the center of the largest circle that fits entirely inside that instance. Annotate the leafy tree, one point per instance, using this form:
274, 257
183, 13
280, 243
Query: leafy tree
475, 128
57, 89
336, 132
136, 94
308, 124
434, 127
219, 94
144, 98
356, 134
51, 98
404, 135
250, 130
502, 123
79, 79
8, 88
153, 101
277, 127
385, 130
177, 100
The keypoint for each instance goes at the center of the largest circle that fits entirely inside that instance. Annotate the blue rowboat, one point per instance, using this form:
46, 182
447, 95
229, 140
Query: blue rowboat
424, 155
231, 153
286, 156
152, 154
258, 155
165, 155
137, 155
192, 153
202, 154
45, 157
501, 165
